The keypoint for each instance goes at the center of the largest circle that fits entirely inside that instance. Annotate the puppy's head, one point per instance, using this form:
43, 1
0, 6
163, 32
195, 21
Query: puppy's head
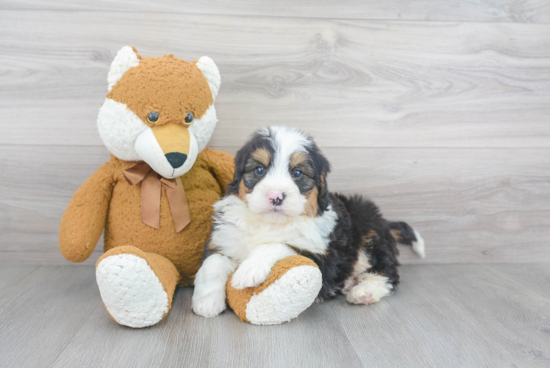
281, 173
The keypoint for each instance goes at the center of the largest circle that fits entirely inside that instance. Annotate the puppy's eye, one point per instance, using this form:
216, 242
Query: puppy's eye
260, 171
297, 174
189, 118
153, 117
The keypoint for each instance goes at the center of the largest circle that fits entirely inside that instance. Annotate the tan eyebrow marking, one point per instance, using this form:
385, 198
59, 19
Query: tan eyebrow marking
298, 158
262, 155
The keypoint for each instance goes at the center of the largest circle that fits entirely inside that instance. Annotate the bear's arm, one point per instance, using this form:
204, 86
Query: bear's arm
222, 165
84, 219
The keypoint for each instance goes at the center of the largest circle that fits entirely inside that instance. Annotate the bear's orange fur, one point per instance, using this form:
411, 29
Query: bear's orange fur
107, 200
172, 87
166, 84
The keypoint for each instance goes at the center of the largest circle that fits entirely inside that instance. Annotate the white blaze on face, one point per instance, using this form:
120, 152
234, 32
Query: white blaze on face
285, 141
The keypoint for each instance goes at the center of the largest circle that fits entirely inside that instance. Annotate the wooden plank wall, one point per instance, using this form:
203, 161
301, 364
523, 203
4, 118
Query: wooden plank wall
439, 111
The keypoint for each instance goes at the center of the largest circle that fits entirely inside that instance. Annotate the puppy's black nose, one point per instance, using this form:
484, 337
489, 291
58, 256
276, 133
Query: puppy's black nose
275, 197
176, 159
277, 201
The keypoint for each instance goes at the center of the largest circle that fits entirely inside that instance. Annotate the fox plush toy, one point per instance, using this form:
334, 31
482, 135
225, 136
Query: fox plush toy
154, 197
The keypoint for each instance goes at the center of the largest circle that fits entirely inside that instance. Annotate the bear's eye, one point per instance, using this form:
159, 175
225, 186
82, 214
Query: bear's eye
260, 171
189, 118
153, 117
297, 174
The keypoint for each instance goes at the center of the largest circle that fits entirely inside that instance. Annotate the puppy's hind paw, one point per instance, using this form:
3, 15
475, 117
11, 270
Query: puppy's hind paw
371, 288
360, 296
250, 275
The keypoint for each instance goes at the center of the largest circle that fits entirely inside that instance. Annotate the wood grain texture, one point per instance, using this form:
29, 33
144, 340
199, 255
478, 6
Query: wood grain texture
456, 316
471, 205
185, 339
40, 313
350, 83
530, 11
441, 316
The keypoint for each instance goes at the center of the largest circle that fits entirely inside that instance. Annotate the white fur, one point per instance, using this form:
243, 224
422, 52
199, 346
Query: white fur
286, 141
209, 294
257, 266
244, 238
149, 151
203, 128
419, 246
131, 291
238, 230
286, 298
371, 288
119, 128
211, 73
125, 59
361, 265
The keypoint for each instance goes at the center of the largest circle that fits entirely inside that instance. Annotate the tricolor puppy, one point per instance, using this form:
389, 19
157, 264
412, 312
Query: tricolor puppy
279, 205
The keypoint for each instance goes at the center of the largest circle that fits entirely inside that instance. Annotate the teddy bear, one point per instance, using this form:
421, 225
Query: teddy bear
154, 197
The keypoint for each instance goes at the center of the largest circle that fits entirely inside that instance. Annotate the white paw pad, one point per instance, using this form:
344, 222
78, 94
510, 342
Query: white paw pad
286, 298
131, 291
370, 289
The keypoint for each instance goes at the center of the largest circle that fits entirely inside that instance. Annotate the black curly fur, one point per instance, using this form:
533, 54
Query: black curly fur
360, 227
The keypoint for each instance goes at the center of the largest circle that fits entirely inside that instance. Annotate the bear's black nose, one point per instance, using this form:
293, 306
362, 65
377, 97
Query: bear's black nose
176, 159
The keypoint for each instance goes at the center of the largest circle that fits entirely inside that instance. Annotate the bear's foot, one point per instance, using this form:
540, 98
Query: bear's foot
291, 288
136, 287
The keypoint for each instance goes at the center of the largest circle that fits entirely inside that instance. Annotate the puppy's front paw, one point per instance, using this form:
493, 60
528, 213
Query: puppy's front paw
250, 274
209, 305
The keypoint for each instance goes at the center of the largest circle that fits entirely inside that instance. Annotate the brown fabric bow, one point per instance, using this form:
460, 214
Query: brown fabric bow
151, 192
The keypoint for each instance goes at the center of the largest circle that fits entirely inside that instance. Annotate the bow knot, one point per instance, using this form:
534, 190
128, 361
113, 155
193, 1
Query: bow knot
151, 184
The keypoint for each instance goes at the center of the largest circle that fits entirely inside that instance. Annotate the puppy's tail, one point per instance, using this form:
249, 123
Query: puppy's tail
405, 234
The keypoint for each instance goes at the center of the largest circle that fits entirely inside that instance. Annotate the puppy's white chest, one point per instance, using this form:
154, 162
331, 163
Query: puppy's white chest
238, 231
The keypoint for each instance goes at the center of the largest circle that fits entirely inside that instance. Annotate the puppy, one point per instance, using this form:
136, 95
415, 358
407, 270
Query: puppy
279, 205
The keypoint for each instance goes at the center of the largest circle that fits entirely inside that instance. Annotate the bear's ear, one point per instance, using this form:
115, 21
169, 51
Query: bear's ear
126, 58
211, 73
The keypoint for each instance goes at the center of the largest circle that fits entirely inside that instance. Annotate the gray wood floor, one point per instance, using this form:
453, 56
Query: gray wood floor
494, 315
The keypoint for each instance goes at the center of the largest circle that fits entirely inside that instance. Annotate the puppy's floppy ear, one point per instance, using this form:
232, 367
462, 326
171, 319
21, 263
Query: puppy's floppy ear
322, 167
240, 158
323, 197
